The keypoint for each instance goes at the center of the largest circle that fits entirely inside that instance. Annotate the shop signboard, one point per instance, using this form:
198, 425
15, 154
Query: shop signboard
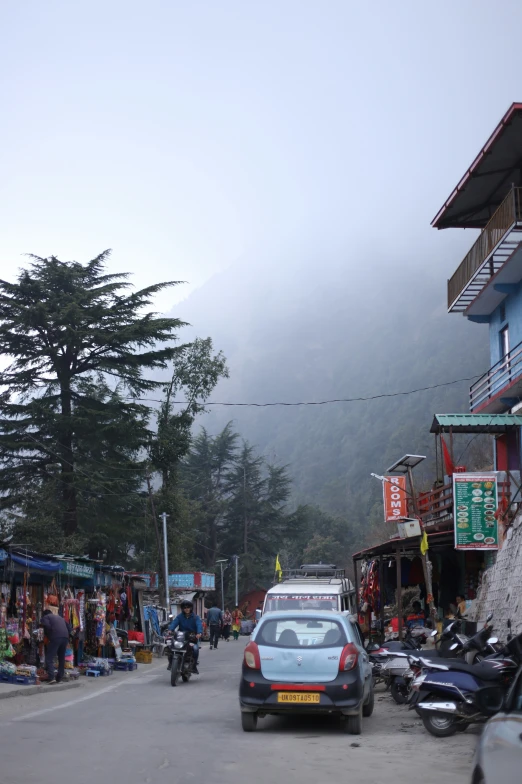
182, 580
475, 501
75, 569
395, 498
193, 580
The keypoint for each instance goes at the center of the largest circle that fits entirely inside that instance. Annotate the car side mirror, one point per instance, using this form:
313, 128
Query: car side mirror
434, 633
259, 613
492, 640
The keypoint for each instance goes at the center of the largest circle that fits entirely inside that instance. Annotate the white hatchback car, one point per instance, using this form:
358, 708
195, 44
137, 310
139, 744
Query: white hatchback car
306, 662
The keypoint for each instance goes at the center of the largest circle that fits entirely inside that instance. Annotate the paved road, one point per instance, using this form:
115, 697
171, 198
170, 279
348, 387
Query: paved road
137, 729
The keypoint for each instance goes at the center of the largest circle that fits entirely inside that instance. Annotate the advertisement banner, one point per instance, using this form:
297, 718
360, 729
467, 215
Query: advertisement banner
475, 501
395, 498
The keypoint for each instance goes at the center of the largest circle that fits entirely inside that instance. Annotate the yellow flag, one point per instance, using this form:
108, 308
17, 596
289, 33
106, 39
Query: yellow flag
278, 570
424, 543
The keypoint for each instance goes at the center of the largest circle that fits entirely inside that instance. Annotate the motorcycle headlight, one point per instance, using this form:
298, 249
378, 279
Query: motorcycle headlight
178, 644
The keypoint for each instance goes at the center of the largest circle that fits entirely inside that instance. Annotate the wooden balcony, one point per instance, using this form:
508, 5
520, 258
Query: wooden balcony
499, 239
436, 506
495, 391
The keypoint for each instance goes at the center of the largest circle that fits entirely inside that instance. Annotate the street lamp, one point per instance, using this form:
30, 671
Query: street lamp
221, 562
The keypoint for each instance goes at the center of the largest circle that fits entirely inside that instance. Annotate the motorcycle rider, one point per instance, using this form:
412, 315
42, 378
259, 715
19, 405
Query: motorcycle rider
188, 621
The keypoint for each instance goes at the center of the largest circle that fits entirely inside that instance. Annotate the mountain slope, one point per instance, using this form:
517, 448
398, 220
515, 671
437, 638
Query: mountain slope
317, 330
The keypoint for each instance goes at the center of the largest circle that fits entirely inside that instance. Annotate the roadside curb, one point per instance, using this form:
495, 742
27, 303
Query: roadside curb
27, 691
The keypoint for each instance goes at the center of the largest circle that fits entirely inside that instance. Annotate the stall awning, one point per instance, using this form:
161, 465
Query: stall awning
489, 178
34, 561
475, 423
408, 546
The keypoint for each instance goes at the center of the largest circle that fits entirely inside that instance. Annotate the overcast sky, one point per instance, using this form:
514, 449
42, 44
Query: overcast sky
186, 134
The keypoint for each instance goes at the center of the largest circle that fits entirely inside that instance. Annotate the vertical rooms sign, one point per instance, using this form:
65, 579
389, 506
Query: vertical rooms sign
395, 498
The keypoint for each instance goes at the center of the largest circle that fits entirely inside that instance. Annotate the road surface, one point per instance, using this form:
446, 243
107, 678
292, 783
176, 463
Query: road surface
135, 728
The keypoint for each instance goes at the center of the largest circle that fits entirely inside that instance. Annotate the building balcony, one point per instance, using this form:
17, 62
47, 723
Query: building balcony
500, 388
485, 266
436, 506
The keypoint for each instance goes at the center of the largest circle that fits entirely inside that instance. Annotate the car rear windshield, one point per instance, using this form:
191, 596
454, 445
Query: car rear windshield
300, 602
301, 632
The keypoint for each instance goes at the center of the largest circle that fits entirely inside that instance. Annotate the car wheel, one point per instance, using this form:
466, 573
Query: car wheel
368, 708
249, 722
353, 724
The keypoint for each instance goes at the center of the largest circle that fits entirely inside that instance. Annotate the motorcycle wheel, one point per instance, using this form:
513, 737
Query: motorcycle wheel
440, 725
174, 673
397, 694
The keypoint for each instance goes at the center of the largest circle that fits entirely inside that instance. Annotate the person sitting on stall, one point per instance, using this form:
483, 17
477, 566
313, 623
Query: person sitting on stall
188, 621
417, 617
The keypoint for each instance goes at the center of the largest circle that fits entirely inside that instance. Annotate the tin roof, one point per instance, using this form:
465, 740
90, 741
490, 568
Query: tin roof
475, 423
489, 178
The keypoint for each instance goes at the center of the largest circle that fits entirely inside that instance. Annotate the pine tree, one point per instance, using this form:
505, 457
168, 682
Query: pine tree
66, 328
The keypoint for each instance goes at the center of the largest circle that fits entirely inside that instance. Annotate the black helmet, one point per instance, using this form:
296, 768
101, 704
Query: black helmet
185, 603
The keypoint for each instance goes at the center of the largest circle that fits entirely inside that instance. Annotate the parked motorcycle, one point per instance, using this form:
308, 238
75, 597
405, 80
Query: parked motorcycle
180, 650
400, 669
450, 695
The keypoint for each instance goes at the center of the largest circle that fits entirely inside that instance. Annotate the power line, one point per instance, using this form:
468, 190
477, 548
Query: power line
322, 402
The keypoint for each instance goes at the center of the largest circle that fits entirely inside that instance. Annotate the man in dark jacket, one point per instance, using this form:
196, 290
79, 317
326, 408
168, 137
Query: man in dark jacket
57, 632
215, 621
188, 621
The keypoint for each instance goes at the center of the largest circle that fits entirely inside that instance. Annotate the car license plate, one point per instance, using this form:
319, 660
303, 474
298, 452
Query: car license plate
298, 697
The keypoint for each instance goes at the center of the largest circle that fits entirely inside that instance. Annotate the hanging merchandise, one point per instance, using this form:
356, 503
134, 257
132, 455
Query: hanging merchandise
52, 599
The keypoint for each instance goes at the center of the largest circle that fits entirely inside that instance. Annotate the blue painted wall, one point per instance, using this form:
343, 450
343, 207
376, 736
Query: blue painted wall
513, 308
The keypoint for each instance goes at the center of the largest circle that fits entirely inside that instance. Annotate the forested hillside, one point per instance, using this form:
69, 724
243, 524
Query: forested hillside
290, 335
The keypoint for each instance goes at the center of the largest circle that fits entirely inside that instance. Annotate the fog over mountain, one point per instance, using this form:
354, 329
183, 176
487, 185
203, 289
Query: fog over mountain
319, 325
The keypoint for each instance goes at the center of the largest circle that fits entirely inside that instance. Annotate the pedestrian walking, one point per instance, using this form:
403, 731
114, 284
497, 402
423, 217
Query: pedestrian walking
237, 617
57, 632
215, 622
227, 624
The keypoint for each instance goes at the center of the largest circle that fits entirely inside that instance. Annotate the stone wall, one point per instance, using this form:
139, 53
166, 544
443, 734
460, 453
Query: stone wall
501, 590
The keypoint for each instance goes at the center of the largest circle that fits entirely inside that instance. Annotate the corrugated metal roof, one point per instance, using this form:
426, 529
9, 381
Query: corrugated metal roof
489, 178
475, 423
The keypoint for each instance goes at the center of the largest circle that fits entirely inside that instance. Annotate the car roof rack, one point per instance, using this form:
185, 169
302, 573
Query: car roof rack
318, 572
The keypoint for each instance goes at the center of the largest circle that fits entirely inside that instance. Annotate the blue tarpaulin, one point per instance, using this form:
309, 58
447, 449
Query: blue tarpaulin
35, 562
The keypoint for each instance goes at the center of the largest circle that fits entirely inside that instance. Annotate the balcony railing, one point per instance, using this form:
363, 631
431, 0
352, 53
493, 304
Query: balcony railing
485, 392
436, 506
480, 263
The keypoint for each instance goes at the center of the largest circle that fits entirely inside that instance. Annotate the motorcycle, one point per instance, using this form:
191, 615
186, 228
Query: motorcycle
450, 695
399, 669
180, 651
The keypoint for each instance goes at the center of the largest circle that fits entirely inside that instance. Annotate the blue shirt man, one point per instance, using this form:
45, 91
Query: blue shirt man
188, 621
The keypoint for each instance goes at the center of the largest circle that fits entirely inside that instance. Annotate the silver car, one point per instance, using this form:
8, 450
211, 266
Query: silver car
306, 662
498, 759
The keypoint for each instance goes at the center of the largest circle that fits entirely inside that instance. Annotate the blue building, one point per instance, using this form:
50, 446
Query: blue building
486, 287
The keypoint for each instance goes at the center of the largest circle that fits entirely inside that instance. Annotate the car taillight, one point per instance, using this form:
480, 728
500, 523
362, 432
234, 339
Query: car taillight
349, 658
252, 658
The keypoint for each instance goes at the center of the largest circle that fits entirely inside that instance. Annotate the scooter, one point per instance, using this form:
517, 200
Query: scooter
450, 695
400, 669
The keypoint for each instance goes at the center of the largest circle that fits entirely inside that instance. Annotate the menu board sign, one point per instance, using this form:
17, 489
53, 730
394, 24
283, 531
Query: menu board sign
475, 502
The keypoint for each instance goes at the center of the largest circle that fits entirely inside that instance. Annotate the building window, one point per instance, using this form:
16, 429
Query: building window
504, 342
502, 312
